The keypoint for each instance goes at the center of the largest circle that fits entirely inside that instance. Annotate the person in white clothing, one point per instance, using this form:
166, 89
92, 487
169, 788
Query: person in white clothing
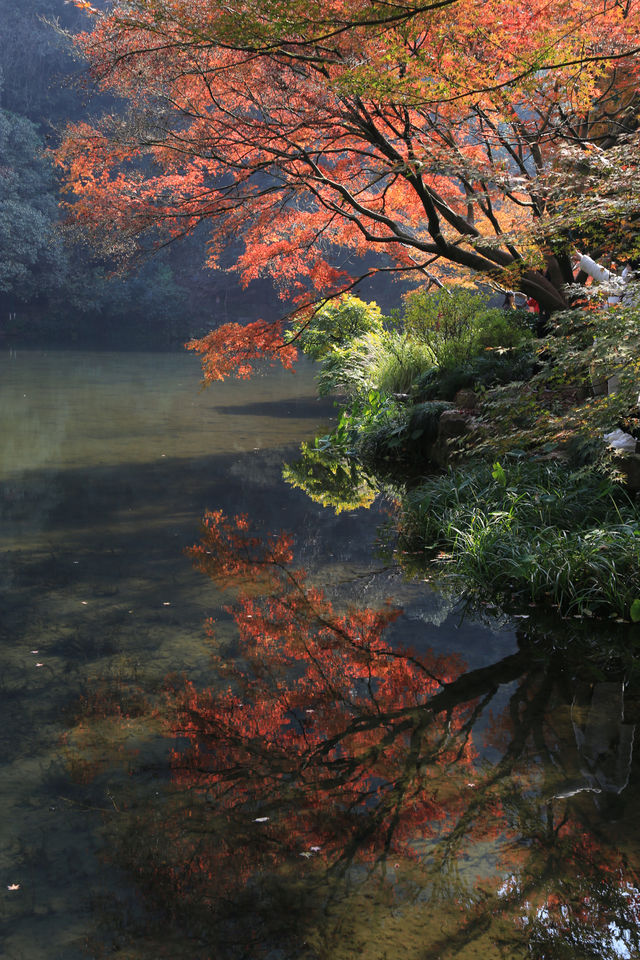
617, 284
603, 275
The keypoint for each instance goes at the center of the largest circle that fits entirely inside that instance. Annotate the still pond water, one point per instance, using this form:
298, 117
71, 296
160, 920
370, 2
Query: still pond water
344, 764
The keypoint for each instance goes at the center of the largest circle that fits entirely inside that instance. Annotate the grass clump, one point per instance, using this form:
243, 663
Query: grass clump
401, 363
530, 531
386, 361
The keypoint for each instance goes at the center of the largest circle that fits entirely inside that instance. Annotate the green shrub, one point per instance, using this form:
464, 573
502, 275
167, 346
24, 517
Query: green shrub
442, 384
515, 365
457, 324
499, 328
335, 324
444, 321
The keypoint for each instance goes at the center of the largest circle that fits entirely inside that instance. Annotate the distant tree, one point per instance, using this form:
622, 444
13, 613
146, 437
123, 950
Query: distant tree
33, 261
42, 92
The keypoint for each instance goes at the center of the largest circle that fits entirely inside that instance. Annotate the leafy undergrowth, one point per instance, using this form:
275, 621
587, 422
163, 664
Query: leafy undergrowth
532, 531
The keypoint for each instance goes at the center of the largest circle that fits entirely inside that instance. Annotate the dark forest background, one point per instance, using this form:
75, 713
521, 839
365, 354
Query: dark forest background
53, 289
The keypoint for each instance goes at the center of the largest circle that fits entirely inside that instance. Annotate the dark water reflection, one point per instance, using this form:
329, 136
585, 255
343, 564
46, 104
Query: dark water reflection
318, 774
335, 794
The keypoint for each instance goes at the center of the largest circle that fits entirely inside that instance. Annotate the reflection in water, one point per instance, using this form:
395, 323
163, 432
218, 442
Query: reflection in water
331, 478
335, 794
107, 462
329, 784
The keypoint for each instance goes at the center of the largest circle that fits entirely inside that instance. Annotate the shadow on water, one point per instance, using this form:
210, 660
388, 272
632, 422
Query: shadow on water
300, 408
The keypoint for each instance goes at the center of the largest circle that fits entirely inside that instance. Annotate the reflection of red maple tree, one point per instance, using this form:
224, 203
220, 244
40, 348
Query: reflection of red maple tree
318, 706
329, 743
328, 764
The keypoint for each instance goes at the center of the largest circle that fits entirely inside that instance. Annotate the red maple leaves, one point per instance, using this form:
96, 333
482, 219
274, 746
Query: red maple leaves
315, 133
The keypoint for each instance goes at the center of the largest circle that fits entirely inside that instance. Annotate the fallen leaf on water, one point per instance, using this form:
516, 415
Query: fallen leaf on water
13, 886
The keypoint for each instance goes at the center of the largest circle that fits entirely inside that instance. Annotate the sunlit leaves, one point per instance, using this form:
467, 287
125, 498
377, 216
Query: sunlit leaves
433, 134
234, 349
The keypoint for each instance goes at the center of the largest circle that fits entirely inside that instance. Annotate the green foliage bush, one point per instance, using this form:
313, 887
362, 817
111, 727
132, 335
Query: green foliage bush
558, 408
377, 432
482, 371
445, 341
444, 321
336, 323
457, 325
384, 360
500, 328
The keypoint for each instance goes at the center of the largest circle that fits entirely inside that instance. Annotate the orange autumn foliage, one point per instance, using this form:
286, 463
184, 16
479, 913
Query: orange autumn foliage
316, 133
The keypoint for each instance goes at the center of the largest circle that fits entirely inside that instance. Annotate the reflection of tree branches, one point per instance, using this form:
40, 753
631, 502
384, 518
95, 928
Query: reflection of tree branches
485, 681
524, 724
324, 756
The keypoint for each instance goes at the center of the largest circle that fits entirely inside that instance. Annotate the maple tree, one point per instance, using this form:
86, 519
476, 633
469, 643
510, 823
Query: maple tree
442, 135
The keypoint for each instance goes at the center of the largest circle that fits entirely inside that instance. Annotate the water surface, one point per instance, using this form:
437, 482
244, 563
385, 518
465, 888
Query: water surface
394, 781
